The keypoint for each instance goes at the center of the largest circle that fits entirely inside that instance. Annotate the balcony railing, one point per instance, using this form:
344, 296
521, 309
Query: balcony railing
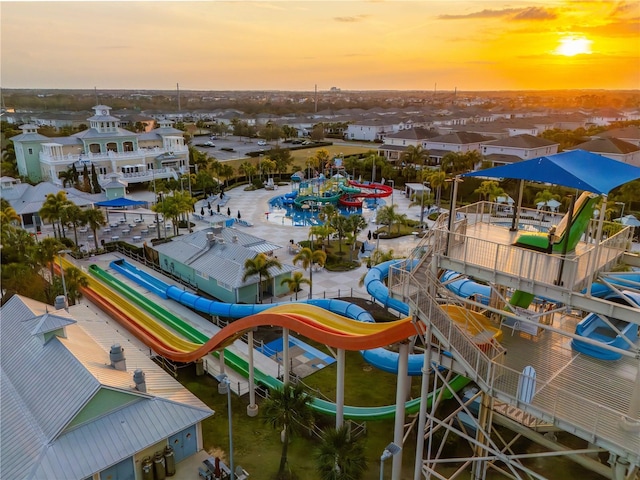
136, 155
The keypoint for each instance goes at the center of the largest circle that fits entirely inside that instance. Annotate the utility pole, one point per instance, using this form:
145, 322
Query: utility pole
178, 90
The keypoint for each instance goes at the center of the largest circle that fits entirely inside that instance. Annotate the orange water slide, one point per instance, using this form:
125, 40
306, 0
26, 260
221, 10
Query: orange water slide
308, 320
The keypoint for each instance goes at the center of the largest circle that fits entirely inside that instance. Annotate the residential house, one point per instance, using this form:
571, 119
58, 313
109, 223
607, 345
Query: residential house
519, 147
630, 134
613, 148
396, 144
458, 142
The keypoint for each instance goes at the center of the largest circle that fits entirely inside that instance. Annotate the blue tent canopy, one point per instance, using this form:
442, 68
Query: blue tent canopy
120, 203
576, 168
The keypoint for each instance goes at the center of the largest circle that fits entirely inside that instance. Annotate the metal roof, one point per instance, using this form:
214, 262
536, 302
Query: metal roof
45, 385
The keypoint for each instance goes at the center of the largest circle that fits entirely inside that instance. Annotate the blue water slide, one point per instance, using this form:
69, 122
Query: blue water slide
465, 287
626, 279
380, 358
229, 310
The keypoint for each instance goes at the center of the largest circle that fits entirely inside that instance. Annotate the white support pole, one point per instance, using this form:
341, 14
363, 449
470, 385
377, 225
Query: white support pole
422, 416
286, 368
222, 387
401, 391
340, 389
252, 408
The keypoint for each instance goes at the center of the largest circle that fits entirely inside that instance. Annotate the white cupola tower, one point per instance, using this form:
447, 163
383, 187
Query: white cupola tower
102, 121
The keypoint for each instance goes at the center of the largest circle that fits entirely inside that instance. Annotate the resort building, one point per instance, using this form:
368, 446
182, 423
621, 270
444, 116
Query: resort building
212, 261
105, 146
75, 404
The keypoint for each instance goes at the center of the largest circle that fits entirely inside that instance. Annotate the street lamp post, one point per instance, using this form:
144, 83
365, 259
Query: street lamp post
622, 210
64, 285
393, 186
424, 186
389, 451
224, 379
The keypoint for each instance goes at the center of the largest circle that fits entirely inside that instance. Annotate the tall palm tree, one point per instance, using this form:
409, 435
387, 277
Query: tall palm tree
340, 456
340, 226
45, 253
52, 209
74, 281
73, 214
94, 218
287, 408
9, 219
295, 283
437, 180
415, 155
260, 265
307, 258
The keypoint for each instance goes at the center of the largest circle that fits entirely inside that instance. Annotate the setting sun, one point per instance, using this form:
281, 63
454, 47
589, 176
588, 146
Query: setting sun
570, 46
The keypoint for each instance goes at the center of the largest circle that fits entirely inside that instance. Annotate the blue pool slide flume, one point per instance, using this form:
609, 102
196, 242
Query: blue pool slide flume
380, 358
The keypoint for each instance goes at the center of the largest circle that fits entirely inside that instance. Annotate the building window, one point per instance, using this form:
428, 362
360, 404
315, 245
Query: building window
226, 286
30, 151
202, 275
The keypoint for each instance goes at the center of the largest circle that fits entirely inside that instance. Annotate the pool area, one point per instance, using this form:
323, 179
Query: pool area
305, 359
284, 212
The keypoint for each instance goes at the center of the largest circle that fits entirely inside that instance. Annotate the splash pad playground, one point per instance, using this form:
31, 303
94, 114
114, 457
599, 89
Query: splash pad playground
302, 206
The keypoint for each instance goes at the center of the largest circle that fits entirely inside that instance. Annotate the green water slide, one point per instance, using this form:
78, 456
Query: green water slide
241, 366
567, 241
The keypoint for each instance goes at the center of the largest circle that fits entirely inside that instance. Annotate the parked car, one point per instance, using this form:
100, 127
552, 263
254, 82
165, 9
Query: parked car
209, 144
262, 143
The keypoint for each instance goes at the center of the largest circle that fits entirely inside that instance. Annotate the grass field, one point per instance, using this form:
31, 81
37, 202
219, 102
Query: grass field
257, 447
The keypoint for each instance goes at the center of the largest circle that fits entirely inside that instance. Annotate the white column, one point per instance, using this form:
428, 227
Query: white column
252, 408
285, 356
401, 391
340, 389
422, 416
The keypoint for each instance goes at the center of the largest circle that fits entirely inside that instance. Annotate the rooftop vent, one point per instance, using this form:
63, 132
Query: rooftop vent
139, 380
60, 302
211, 237
235, 238
116, 356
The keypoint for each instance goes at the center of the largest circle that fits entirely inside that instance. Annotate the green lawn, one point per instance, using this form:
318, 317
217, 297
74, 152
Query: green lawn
257, 447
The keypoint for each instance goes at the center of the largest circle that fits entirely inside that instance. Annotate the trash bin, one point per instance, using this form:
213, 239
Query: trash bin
170, 461
147, 468
159, 466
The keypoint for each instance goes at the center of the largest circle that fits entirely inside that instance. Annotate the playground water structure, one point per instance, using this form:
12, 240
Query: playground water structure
310, 321
302, 206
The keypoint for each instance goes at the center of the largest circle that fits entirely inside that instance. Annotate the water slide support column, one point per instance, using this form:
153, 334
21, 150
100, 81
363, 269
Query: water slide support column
252, 408
286, 368
422, 416
340, 389
595, 254
401, 392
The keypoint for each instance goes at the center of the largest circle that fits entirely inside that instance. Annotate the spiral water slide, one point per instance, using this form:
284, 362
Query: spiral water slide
310, 321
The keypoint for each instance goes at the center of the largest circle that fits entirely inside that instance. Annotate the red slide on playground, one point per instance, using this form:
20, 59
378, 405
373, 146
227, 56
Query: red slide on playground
371, 190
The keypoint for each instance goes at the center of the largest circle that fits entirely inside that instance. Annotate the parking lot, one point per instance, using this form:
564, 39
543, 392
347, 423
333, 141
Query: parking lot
240, 146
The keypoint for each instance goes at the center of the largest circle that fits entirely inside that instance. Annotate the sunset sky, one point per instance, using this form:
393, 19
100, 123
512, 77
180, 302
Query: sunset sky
294, 45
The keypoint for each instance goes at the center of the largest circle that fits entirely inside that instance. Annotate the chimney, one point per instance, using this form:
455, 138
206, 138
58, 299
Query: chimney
116, 356
138, 379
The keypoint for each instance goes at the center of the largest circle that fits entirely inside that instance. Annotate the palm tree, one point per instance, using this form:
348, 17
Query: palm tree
9, 218
489, 190
356, 223
94, 218
288, 409
388, 216
340, 457
45, 253
52, 209
295, 283
437, 180
308, 257
340, 225
260, 265
415, 155
73, 214
74, 281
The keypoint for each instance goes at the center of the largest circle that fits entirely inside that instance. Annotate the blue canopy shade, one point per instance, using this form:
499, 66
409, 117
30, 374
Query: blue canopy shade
120, 203
576, 168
